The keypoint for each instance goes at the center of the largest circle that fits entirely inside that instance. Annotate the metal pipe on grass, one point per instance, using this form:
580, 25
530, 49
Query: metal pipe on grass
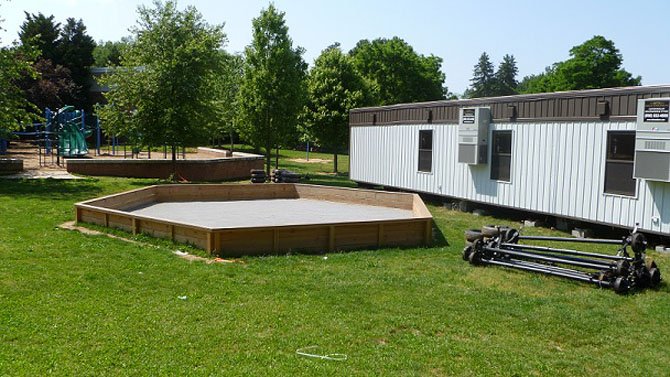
567, 251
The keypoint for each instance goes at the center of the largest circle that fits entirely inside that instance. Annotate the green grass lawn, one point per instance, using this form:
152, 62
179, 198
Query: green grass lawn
74, 304
319, 169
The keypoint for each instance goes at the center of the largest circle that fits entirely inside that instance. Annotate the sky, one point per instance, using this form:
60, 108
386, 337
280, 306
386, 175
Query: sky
538, 33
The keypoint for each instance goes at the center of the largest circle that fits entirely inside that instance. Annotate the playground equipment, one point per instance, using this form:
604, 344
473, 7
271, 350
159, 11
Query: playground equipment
70, 130
64, 130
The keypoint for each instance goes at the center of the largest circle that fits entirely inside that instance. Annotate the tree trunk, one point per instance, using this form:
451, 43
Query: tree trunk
268, 160
232, 142
277, 158
335, 162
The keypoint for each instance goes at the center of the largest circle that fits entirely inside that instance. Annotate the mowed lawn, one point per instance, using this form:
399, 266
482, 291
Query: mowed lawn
75, 304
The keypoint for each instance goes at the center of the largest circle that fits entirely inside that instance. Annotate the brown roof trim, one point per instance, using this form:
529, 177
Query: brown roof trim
593, 104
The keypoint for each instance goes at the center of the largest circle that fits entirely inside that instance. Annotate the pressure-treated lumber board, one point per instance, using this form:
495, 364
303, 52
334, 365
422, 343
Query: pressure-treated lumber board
113, 211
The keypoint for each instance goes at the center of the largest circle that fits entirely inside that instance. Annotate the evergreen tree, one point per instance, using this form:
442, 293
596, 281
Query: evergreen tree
60, 46
483, 79
505, 78
76, 53
42, 34
273, 89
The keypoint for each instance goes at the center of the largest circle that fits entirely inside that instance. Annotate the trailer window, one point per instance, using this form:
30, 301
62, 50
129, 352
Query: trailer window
501, 156
619, 163
426, 151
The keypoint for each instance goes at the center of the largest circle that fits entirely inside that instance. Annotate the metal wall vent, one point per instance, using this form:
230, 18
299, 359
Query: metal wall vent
654, 145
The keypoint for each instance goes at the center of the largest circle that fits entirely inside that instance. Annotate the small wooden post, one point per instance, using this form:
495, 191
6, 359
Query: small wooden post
428, 235
136, 225
77, 215
218, 243
210, 242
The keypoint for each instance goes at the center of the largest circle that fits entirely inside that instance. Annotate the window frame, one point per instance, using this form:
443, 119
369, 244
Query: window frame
495, 161
425, 151
612, 160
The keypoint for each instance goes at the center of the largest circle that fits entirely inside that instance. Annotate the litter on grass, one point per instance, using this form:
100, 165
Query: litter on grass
191, 257
313, 354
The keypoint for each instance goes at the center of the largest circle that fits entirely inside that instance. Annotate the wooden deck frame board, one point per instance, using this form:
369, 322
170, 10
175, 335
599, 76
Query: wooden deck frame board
325, 237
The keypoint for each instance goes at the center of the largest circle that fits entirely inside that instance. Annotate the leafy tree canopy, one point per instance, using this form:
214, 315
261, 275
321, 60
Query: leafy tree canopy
227, 87
60, 46
15, 63
334, 87
164, 91
596, 63
108, 54
273, 89
51, 87
397, 73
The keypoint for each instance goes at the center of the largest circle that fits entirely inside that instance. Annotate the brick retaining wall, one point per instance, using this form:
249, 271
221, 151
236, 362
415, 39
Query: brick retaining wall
10, 165
216, 169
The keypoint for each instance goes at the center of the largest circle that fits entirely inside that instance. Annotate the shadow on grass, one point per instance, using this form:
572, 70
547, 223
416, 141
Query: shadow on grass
54, 189
324, 181
439, 239
340, 180
143, 182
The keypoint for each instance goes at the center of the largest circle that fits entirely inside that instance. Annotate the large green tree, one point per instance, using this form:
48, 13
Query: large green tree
396, 73
483, 81
227, 103
15, 63
538, 83
60, 46
273, 89
334, 87
51, 87
505, 77
43, 34
596, 63
109, 53
164, 91
76, 53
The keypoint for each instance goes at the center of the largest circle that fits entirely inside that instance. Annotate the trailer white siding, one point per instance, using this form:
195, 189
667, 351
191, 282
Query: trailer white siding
557, 168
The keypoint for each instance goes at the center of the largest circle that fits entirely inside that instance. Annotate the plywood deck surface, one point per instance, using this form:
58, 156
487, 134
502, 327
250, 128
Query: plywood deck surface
268, 212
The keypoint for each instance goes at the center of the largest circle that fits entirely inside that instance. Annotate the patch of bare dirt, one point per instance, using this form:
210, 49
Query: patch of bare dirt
71, 225
311, 161
31, 157
33, 161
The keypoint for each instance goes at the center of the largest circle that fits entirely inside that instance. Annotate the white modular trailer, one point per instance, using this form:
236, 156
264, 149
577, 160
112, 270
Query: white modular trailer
569, 154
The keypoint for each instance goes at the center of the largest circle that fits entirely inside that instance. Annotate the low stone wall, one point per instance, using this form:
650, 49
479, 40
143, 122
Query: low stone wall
215, 169
10, 165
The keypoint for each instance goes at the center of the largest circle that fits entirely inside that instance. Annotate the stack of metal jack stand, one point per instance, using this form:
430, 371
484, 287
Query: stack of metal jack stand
501, 246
